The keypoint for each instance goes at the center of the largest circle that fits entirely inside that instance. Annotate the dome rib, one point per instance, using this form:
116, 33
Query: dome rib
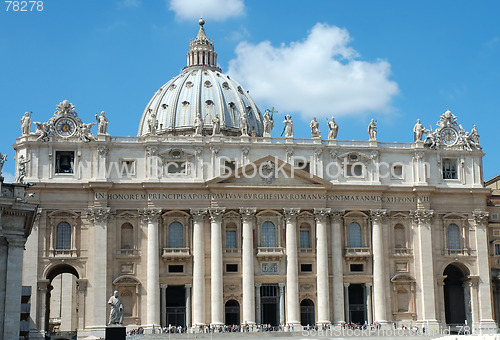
201, 89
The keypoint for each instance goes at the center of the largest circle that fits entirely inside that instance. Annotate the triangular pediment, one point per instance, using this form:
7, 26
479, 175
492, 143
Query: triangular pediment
269, 171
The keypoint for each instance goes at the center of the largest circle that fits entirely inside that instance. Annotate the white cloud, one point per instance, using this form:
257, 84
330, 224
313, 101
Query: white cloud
319, 76
8, 177
217, 10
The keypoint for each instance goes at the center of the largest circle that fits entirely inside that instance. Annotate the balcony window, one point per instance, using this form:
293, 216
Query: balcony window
175, 235
354, 235
453, 237
268, 236
63, 236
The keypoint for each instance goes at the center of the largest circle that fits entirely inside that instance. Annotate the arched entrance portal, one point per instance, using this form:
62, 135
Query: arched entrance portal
61, 300
307, 313
454, 295
232, 312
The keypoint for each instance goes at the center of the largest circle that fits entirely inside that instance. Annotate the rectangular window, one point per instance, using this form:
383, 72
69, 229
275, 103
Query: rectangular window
128, 167
231, 239
229, 167
494, 216
175, 269
232, 268
176, 167
497, 249
449, 169
304, 166
65, 162
304, 239
306, 267
496, 232
355, 170
355, 267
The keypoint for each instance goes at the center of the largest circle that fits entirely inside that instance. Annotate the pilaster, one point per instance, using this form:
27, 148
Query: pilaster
337, 268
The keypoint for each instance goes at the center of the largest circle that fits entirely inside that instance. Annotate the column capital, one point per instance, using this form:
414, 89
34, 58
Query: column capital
198, 214
440, 279
290, 213
378, 215
43, 285
82, 284
97, 215
258, 285
164, 285
247, 214
480, 217
347, 284
150, 215
188, 285
281, 284
216, 214
16, 241
368, 284
337, 215
321, 214
473, 281
422, 216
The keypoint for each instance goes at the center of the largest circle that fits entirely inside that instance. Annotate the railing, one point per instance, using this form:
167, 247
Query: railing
270, 251
176, 252
232, 251
128, 252
63, 252
402, 251
455, 252
274, 140
364, 251
306, 250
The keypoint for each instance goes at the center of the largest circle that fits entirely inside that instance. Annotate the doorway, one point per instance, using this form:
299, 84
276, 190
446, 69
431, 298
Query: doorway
357, 307
269, 302
176, 306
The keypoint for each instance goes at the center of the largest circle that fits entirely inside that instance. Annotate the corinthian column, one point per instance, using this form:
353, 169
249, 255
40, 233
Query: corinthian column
198, 267
337, 268
425, 268
216, 266
322, 266
247, 217
379, 277
151, 217
98, 258
292, 277
484, 284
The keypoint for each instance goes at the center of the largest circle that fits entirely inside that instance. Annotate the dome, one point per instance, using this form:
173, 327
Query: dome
201, 91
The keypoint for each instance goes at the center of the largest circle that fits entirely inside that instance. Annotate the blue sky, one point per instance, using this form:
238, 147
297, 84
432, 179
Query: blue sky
394, 61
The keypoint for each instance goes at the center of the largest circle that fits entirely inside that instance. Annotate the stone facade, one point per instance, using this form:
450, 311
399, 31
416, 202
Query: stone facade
202, 228
16, 221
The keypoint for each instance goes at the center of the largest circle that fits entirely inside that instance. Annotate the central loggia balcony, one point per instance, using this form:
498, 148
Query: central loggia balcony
176, 253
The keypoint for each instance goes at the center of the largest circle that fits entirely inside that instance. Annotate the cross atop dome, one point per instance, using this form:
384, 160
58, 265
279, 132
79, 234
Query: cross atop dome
201, 50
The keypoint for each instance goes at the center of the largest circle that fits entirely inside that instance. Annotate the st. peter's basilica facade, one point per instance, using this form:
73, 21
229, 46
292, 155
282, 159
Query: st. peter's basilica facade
205, 219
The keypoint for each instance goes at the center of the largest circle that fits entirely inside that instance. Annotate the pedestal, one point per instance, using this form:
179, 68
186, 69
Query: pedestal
115, 333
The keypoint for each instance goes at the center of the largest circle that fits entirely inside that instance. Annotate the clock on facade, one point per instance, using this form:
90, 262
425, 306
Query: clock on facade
65, 127
449, 136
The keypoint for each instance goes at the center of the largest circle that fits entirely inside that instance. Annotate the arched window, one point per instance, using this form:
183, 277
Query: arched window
268, 238
127, 236
307, 313
63, 236
399, 236
175, 235
354, 235
453, 237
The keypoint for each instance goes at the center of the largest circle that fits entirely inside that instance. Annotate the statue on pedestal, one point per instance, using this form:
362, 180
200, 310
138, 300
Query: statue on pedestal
102, 121
418, 131
333, 129
26, 124
314, 125
268, 124
116, 313
244, 124
198, 125
3, 159
372, 130
21, 169
215, 125
288, 130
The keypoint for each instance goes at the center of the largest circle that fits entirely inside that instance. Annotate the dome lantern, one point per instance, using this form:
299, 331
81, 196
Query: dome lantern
201, 50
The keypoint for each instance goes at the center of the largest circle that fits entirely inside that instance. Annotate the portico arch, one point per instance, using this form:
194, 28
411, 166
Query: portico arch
456, 298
